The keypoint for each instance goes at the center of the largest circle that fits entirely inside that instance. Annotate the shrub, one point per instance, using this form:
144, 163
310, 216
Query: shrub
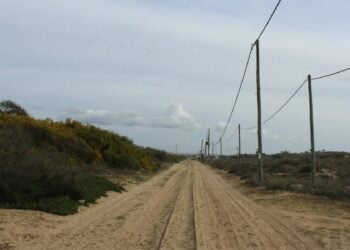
292, 172
59, 206
12, 108
50, 166
148, 164
91, 187
124, 161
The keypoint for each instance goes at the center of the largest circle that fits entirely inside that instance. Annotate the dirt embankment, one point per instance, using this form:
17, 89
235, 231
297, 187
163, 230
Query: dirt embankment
188, 206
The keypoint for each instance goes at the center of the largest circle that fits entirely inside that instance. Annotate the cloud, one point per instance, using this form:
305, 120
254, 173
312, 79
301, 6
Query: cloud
176, 117
254, 131
220, 126
139, 55
292, 138
265, 133
107, 118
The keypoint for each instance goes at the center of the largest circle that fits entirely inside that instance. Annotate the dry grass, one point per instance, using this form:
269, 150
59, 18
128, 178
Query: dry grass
292, 172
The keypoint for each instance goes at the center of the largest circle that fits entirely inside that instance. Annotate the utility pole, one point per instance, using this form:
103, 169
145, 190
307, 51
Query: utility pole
239, 145
220, 146
260, 152
202, 149
312, 136
208, 141
212, 149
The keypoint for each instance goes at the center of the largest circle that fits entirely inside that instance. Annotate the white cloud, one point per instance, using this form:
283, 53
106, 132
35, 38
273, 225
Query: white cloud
254, 131
265, 133
176, 117
220, 126
292, 138
274, 137
107, 118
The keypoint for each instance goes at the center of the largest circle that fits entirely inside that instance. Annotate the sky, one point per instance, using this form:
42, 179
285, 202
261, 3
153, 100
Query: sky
162, 72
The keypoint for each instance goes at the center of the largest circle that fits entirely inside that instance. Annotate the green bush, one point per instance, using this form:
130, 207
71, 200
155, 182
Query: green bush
292, 172
91, 187
12, 108
50, 166
59, 206
58, 194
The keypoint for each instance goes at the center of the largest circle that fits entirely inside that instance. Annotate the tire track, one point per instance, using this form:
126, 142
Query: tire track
113, 222
257, 228
194, 219
286, 233
180, 232
168, 221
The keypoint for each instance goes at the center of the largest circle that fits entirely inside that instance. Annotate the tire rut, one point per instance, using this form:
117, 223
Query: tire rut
264, 230
180, 232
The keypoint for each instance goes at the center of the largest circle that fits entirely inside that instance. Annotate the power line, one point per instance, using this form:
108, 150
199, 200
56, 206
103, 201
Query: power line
292, 96
280, 108
270, 18
238, 93
331, 74
284, 104
231, 136
250, 128
245, 69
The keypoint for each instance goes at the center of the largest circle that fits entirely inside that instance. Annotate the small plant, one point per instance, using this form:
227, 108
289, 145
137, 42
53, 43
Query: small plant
292, 172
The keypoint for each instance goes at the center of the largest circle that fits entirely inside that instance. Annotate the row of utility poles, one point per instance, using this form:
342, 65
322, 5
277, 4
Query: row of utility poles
207, 143
259, 126
312, 135
206, 152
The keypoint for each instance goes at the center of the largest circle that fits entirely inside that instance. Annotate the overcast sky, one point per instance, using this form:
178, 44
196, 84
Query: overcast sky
162, 72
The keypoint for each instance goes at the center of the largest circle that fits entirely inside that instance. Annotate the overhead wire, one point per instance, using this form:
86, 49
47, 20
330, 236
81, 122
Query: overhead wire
231, 136
293, 95
243, 78
331, 74
269, 20
273, 115
245, 69
238, 93
281, 107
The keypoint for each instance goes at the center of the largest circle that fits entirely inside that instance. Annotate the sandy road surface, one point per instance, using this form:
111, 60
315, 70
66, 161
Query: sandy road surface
188, 206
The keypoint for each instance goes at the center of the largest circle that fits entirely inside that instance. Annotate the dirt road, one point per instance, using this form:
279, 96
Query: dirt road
188, 206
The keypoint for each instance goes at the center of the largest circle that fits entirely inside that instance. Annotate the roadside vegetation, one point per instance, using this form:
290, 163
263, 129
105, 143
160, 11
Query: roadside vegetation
55, 166
291, 171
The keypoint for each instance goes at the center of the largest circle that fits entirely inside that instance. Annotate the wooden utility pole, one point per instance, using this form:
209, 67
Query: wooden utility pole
312, 137
208, 141
260, 151
202, 149
212, 149
239, 145
220, 146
